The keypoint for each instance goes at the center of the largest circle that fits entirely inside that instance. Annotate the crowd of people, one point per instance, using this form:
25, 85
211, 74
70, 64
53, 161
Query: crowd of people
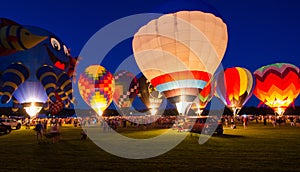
146, 122
293, 120
41, 128
115, 122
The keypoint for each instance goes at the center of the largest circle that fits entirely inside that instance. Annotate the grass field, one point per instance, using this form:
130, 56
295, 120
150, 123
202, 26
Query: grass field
257, 148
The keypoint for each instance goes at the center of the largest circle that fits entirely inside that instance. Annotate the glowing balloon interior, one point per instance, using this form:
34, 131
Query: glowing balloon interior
277, 85
96, 87
32, 108
31, 92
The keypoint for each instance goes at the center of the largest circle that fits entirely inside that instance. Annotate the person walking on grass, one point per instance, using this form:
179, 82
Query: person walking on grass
39, 131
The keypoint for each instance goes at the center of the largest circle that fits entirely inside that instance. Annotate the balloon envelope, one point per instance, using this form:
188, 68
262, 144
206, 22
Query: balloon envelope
149, 95
37, 52
96, 87
234, 87
204, 97
179, 52
126, 89
277, 85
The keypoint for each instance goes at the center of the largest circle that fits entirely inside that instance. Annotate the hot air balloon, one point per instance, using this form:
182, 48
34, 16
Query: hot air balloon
234, 87
62, 96
14, 37
16, 85
277, 85
42, 64
149, 95
16, 105
55, 107
96, 87
204, 97
126, 88
179, 52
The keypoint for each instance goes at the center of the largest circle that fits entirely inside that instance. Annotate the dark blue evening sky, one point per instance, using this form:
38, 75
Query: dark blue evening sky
260, 32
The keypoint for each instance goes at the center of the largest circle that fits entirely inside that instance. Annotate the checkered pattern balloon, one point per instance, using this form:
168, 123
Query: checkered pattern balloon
56, 107
60, 103
126, 88
96, 87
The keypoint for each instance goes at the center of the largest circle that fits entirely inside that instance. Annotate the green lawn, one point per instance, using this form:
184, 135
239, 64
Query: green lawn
257, 148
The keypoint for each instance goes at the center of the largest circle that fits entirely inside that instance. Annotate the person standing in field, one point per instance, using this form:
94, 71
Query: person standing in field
55, 133
39, 131
245, 122
265, 120
292, 121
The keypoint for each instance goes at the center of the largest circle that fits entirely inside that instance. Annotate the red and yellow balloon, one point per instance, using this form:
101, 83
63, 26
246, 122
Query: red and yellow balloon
234, 87
96, 87
277, 85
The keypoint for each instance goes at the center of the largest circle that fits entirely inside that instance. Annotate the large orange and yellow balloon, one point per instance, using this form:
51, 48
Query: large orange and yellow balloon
277, 85
96, 87
234, 87
179, 52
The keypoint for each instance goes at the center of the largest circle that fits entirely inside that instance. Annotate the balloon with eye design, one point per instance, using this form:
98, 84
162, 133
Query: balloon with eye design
35, 64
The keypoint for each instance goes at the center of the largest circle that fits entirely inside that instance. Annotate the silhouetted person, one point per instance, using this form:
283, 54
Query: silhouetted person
39, 131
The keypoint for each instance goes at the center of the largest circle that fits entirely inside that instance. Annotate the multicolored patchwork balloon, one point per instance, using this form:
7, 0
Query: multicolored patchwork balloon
96, 86
126, 89
277, 85
234, 87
